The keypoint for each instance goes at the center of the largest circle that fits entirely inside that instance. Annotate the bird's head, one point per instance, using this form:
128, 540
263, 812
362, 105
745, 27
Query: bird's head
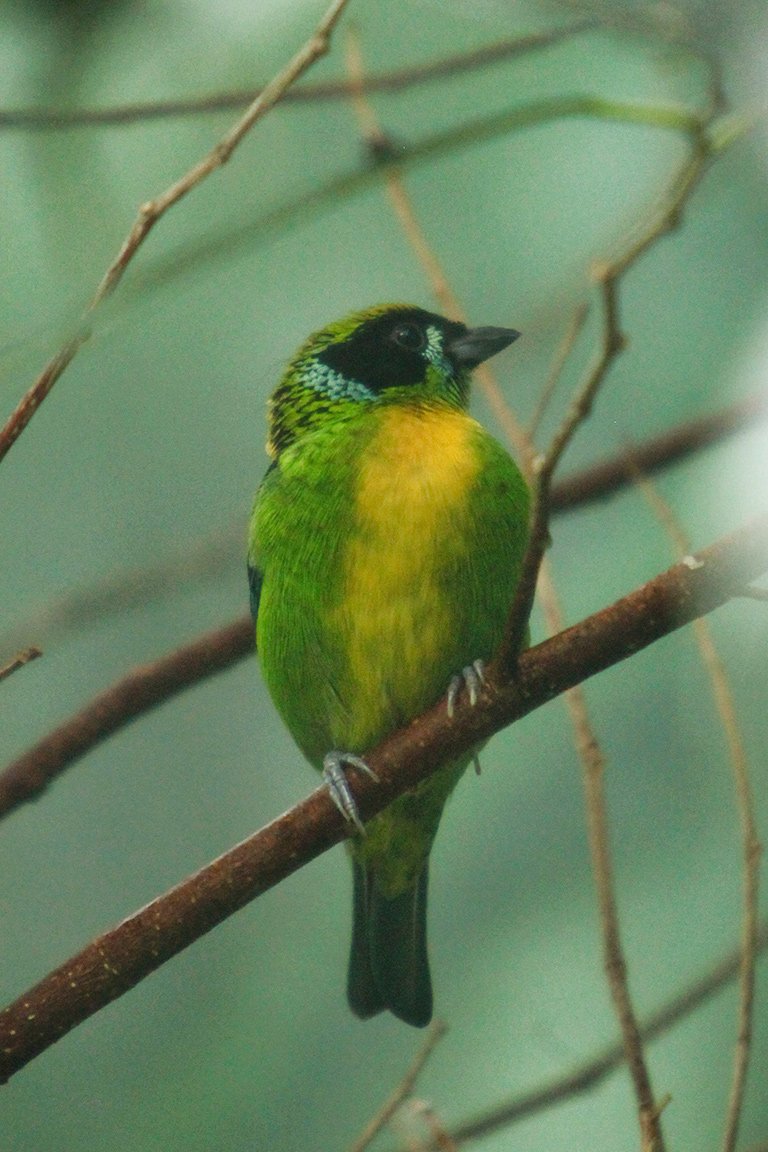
391, 354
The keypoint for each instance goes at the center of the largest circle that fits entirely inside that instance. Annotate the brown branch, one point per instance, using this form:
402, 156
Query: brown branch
611, 344
141, 690
751, 876
117, 960
593, 769
608, 476
746, 808
397, 80
614, 962
585, 1077
151, 212
608, 276
19, 660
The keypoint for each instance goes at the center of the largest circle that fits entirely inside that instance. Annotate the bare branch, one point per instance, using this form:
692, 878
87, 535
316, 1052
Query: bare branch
473, 132
117, 960
19, 660
141, 690
587, 1076
746, 809
544, 467
593, 768
608, 277
614, 962
657, 452
397, 80
149, 214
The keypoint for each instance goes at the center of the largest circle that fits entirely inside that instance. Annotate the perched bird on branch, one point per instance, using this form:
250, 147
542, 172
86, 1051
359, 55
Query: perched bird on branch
384, 552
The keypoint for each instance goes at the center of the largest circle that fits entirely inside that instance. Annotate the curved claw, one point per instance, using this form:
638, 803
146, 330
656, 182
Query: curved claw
338, 786
472, 678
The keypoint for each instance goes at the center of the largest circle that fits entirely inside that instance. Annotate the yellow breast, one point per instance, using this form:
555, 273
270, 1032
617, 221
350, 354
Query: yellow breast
395, 618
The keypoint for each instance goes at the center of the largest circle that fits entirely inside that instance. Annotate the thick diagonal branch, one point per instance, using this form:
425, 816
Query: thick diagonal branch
119, 959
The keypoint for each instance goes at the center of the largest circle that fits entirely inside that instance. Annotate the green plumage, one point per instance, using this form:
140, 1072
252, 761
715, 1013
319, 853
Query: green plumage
385, 549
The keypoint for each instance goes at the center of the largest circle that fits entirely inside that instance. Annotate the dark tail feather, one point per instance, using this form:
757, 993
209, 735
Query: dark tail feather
364, 997
388, 967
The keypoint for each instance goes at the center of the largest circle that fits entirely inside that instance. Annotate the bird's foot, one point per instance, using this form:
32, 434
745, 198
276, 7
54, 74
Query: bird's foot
338, 786
472, 678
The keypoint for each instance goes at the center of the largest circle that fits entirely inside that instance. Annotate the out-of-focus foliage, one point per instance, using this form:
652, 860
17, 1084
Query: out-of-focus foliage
153, 440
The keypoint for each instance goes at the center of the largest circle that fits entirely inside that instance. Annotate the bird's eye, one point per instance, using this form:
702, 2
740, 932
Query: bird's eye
410, 336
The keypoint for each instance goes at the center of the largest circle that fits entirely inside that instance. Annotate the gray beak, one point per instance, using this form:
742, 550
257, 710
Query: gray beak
478, 344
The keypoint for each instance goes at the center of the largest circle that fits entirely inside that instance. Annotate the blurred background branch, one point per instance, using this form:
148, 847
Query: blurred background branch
151, 211
18, 661
588, 1075
394, 80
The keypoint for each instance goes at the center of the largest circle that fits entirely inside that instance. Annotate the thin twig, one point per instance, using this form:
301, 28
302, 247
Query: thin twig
608, 278
593, 762
562, 354
396, 80
326, 197
120, 958
19, 660
751, 849
402, 1090
612, 341
587, 1076
605, 477
141, 690
149, 213
593, 768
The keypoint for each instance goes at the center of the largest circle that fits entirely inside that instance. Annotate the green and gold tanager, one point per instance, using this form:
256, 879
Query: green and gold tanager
385, 549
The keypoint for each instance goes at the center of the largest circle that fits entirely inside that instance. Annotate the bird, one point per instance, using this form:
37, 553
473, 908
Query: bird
384, 550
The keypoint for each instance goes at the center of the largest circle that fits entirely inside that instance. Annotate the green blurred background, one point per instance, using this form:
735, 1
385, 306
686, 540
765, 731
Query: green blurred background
152, 443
